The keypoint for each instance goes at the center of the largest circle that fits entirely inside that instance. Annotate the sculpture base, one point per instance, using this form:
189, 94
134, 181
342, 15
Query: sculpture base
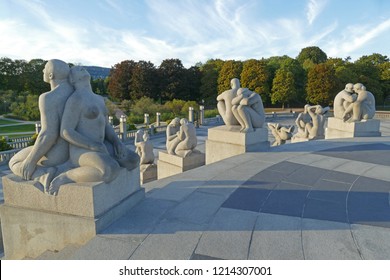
169, 165
338, 129
34, 222
148, 173
224, 142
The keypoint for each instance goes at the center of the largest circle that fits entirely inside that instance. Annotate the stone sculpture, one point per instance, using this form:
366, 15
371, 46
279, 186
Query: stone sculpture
144, 148
303, 119
315, 128
40, 162
342, 101
248, 109
363, 108
172, 133
354, 103
281, 133
224, 104
188, 140
95, 151
84, 144
181, 137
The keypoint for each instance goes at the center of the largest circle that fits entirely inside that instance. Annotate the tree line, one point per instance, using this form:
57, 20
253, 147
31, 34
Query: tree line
312, 77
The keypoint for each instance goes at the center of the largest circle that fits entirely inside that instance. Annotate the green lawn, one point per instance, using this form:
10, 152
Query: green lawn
2, 121
17, 128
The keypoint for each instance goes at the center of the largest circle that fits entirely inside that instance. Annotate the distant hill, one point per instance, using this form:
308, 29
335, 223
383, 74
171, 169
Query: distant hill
98, 72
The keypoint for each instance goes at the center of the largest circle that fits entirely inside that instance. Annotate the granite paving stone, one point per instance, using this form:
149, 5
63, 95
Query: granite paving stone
169, 241
276, 237
306, 175
373, 242
286, 199
102, 248
327, 240
327, 190
228, 236
197, 208
325, 210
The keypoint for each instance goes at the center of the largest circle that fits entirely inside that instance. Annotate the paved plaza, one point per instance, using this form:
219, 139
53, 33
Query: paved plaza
325, 199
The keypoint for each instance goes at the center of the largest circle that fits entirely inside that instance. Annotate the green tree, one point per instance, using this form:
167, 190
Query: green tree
310, 56
32, 77
283, 88
230, 69
321, 84
172, 79
255, 76
209, 80
143, 81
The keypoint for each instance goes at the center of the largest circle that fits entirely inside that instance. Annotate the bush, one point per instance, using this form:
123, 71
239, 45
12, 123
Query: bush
33, 139
211, 113
4, 146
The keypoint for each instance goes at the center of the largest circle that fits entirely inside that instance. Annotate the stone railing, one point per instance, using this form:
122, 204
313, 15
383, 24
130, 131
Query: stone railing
19, 143
5, 156
382, 115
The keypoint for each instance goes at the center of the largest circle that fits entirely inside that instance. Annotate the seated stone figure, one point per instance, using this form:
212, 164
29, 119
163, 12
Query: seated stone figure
248, 109
188, 140
364, 106
342, 101
281, 133
172, 135
144, 147
302, 119
95, 151
224, 104
41, 162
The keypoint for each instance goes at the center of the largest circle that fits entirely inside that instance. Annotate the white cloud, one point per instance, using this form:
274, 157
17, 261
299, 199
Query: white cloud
313, 9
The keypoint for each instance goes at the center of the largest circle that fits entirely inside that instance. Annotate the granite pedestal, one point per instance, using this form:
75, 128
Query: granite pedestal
224, 142
169, 165
34, 222
339, 129
148, 173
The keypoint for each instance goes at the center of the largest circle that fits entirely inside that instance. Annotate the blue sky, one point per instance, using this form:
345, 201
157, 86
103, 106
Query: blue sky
106, 32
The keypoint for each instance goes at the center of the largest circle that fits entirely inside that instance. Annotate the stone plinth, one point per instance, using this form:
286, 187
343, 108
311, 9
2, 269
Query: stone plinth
169, 165
338, 129
33, 222
148, 173
224, 142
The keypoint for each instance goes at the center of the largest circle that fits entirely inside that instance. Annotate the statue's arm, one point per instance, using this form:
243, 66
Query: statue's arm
47, 137
348, 97
111, 137
236, 100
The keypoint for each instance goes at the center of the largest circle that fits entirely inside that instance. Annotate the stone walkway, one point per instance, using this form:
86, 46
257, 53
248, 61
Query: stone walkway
316, 200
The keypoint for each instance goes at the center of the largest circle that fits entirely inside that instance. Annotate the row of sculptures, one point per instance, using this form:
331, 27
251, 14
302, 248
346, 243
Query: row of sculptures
77, 144
240, 106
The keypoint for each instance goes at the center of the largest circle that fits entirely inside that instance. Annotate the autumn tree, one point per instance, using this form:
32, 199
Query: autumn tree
230, 69
321, 84
255, 76
120, 80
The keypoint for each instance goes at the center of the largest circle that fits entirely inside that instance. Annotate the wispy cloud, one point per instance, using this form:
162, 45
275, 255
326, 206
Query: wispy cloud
313, 9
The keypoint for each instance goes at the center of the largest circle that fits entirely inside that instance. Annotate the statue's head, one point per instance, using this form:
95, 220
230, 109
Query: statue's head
242, 91
358, 87
79, 74
183, 121
349, 87
235, 83
306, 108
55, 69
175, 122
